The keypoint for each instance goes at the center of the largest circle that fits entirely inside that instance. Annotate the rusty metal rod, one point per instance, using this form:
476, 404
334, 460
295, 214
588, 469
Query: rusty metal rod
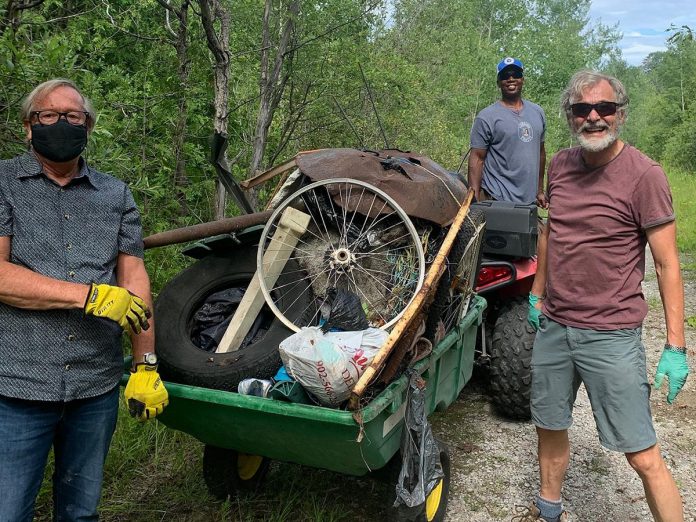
211, 228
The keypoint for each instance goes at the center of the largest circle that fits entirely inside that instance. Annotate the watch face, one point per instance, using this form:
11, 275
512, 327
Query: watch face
150, 358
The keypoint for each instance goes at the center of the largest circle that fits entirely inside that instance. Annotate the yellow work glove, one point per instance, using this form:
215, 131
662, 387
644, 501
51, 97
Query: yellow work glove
146, 396
119, 305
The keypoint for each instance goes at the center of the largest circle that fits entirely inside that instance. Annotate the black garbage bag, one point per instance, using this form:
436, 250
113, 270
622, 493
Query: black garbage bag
420, 468
343, 310
213, 317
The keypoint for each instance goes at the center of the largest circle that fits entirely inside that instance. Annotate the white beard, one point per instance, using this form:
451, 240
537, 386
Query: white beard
597, 144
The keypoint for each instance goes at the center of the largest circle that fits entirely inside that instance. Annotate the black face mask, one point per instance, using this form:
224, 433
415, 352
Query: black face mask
59, 142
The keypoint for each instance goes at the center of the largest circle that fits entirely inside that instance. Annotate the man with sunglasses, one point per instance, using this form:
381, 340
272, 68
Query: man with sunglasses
71, 271
606, 202
507, 157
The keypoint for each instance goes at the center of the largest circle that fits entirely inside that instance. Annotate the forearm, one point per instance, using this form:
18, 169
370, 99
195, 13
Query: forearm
23, 288
132, 276
542, 169
539, 284
672, 293
475, 173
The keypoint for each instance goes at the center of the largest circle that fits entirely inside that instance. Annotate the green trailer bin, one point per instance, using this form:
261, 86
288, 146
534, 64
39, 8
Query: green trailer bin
317, 436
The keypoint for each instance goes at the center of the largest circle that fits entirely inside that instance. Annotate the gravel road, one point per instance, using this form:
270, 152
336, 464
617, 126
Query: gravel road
494, 461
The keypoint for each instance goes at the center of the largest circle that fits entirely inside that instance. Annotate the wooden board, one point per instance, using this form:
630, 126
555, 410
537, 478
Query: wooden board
293, 223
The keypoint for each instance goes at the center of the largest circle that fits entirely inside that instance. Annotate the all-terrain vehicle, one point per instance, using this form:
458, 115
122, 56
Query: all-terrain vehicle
507, 270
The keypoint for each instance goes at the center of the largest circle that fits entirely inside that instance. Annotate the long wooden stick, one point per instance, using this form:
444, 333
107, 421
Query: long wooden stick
434, 274
269, 174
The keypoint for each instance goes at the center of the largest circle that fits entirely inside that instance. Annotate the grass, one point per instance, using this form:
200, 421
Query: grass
153, 473
683, 189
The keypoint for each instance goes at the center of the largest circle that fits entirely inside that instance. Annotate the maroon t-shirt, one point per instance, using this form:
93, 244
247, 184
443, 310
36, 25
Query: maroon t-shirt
596, 255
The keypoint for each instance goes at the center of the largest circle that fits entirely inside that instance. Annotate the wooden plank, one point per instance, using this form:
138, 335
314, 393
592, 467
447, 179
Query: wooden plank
430, 284
293, 223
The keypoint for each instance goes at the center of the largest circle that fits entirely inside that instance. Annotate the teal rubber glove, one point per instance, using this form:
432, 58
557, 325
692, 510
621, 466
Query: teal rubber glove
534, 312
673, 366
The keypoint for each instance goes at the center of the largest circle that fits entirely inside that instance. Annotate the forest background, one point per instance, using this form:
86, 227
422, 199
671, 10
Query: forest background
280, 76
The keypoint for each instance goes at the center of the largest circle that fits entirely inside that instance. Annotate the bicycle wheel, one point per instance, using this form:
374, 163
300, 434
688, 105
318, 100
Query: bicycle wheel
358, 239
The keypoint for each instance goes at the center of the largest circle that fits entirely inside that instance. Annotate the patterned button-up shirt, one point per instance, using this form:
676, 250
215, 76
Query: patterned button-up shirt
73, 233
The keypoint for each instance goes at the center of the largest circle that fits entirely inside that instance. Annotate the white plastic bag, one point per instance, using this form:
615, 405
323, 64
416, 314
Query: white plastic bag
328, 365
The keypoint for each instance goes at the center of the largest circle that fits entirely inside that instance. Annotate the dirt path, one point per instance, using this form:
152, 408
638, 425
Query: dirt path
495, 460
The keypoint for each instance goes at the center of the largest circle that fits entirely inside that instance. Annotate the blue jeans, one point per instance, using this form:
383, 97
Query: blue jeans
80, 432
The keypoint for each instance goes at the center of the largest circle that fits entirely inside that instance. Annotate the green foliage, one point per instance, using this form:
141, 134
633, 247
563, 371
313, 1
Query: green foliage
429, 68
683, 185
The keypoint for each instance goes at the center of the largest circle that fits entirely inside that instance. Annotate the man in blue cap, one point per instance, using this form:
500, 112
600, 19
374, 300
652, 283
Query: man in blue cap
508, 158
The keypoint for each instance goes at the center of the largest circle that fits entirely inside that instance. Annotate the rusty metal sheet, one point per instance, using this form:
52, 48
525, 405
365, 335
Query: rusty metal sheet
420, 186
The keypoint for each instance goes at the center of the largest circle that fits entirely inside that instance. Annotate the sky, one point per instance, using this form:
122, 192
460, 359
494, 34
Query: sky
644, 23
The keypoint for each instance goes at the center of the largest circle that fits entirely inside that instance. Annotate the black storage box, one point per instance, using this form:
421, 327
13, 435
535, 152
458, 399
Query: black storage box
511, 228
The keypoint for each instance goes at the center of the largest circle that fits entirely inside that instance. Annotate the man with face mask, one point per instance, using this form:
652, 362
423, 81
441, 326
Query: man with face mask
72, 278
606, 202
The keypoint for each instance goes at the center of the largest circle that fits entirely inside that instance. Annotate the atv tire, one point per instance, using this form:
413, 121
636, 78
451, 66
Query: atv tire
511, 360
182, 361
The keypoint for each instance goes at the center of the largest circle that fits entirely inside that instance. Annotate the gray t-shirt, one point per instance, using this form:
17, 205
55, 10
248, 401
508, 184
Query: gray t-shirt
513, 141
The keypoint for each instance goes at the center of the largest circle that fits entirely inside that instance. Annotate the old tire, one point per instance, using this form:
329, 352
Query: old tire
184, 362
447, 302
227, 472
511, 360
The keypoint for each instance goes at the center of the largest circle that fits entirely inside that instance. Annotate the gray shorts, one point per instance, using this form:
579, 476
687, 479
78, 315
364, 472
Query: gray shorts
611, 364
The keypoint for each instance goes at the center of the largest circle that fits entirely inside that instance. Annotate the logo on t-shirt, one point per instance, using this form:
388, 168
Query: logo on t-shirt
525, 132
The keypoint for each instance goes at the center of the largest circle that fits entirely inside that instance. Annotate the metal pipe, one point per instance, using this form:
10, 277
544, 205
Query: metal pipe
202, 230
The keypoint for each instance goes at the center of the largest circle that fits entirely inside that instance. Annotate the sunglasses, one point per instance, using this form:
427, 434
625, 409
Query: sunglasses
515, 73
605, 108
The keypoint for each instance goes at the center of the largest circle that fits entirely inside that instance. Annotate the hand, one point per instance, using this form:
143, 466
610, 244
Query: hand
534, 311
119, 305
673, 366
541, 200
145, 394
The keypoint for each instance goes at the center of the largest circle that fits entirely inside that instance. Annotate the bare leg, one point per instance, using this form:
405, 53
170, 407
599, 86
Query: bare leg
554, 456
660, 490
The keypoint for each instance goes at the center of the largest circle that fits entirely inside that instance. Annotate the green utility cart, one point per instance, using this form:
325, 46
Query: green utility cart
244, 432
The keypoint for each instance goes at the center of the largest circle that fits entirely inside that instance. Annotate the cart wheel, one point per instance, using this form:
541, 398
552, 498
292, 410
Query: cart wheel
358, 239
435, 505
436, 501
226, 471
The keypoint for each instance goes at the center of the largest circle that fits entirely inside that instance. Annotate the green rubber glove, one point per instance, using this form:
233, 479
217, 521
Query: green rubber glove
673, 366
119, 305
145, 394
534, 312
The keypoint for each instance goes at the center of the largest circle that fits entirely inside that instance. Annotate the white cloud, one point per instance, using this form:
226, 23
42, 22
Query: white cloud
642, 49
644, 25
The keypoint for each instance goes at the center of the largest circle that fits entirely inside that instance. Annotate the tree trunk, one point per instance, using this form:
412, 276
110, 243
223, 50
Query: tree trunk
182, 46
271, 81
213, 12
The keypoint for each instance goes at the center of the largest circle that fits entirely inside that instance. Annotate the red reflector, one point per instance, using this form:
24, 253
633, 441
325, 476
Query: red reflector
493, 274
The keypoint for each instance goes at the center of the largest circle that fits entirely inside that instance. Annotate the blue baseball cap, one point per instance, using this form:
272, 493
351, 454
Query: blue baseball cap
509, 61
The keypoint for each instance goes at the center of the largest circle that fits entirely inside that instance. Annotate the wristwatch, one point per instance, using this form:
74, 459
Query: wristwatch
149, 358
